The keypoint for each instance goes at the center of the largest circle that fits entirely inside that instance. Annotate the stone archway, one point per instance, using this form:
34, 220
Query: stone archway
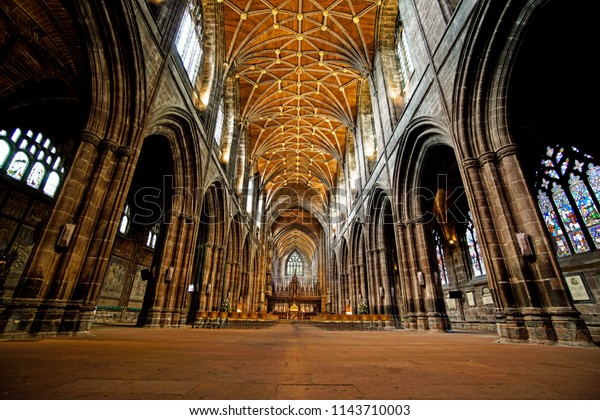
532, 300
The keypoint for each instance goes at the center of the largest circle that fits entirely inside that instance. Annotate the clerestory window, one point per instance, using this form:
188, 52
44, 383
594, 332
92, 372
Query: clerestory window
404, 55
189, 39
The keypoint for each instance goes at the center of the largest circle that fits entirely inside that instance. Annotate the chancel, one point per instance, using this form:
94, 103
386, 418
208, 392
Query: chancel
429, 164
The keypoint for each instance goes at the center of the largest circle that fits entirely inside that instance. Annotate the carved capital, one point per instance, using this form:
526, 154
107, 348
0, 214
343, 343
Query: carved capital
89, 137
487, 157
125, 151
471, 163
508, 150
109, 145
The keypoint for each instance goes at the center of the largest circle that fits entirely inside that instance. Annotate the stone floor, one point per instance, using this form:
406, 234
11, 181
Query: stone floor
292, 361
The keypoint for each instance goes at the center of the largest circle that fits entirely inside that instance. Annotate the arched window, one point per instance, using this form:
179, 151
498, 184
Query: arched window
219, 124
568, 193
18, 165
250, 196
125, 221
4, 151
152, 236
439, 253
474, 249
189, 39
32, 159
403, 53
294, 264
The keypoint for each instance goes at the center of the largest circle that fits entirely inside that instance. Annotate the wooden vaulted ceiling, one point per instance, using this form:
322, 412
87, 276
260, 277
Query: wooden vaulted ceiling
299, 64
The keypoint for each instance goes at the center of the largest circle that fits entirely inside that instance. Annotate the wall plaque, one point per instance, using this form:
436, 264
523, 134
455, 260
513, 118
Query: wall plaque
578, 288
471, 298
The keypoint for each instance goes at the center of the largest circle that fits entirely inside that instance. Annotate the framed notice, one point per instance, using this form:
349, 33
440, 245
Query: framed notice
578, 288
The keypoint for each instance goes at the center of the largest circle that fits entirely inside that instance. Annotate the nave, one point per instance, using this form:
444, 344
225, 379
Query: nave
293, 361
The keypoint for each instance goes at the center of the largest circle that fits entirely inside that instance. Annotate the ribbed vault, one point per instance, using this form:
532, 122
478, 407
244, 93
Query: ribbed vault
299, 64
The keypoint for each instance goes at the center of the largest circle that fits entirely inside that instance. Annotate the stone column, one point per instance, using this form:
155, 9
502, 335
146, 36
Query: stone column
206, 276
171, 255
556, 318
82, 306
216, 279
43, 283
432, 290
374, 279
510, 322
406, 270
182, 273
527, 290
384, 281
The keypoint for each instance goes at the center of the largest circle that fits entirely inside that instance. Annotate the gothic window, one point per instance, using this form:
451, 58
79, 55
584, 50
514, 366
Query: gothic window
152, 236
4, 151
294, 264
18, 165
250, 196
439, 252
189, 39
475, 254
403, 53
125, 221
219, 124
568, 193
31, 159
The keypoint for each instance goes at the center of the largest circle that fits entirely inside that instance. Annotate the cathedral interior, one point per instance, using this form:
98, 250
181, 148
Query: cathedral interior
421, 164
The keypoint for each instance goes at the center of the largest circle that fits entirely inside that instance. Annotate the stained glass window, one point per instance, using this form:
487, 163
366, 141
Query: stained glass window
474, 249
568, 198
553, 225
26, 156
189, 39
36, 175
569, 218
593, 174
294, 264
587, 209
18, 165
439, 252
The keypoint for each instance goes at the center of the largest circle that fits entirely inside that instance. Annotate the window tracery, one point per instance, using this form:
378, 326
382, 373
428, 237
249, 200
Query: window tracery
31, 159
294, 264
474, 248
189, 39
403, 53
125, 221
568, 193
152, 236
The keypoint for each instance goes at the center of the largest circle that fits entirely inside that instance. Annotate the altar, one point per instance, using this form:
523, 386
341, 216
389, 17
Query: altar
295, 301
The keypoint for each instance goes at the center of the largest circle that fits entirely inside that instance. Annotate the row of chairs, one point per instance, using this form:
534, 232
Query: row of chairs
207, 322
215, 319
362, 322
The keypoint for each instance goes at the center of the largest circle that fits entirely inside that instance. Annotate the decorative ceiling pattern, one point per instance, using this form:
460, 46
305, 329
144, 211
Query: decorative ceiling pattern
300, 64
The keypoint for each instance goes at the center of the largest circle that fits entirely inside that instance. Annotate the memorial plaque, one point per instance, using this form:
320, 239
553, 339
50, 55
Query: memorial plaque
471, 298
577, 287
